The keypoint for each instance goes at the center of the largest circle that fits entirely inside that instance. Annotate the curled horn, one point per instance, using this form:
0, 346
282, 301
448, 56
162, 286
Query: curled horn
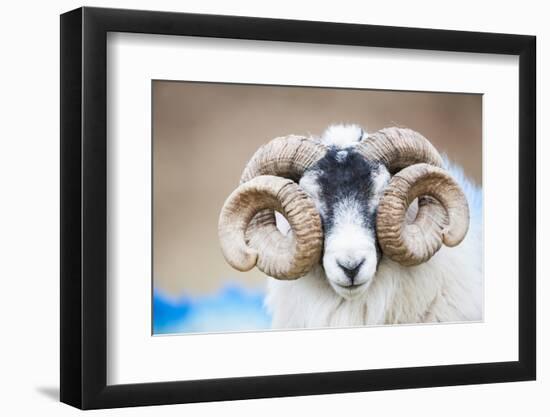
247, 230
443, 214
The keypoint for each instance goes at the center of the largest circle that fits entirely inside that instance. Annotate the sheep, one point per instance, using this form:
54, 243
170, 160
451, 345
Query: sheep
349, 249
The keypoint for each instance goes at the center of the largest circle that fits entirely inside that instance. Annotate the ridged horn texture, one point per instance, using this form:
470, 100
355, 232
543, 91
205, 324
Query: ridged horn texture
443, 214
247, 229
441, 219
286, 156
398, 148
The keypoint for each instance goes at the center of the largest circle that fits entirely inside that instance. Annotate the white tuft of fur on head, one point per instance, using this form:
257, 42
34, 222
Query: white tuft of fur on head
343, 135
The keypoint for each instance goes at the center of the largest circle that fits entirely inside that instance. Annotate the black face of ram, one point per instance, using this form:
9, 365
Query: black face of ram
346, 189
346, 175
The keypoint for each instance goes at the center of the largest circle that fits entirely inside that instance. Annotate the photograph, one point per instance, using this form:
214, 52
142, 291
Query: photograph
281, 207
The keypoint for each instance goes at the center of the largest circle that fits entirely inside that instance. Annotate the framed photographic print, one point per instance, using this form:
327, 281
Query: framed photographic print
258, 207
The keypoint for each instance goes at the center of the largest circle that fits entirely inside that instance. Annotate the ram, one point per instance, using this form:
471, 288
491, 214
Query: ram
380, 230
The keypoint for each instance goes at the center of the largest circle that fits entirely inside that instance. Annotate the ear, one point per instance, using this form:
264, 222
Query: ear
380, 179
310, 185
364, 135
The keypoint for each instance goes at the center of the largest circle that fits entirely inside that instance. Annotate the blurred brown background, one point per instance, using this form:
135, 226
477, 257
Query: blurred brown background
204, 133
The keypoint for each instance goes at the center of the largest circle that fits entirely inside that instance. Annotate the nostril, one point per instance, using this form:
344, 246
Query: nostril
351, 268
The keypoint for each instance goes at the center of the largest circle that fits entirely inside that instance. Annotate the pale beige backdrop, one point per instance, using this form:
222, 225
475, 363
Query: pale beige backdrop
204, 133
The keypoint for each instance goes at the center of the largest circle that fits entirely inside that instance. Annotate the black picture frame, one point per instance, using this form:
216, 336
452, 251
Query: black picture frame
84, 207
